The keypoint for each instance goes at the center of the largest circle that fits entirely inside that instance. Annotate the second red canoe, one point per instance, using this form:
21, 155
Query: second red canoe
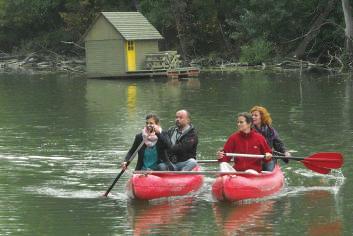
247, 185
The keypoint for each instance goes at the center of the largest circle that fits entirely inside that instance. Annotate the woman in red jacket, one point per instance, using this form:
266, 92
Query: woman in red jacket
246, 141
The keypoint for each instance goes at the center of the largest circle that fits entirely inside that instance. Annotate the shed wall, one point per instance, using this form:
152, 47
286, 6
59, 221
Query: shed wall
102, 30
105, 58
144, 47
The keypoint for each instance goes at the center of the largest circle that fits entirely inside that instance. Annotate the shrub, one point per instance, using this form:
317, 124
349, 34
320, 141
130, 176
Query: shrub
257, 52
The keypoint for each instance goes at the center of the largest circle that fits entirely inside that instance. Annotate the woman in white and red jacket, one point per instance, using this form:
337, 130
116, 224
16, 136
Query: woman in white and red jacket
246, 141
154, 149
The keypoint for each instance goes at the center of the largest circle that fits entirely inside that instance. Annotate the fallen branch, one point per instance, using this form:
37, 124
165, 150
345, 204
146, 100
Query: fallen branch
75, 44
332, 57
35, 61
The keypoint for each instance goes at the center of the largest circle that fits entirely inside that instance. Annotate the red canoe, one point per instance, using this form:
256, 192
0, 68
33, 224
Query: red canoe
152, 186
247, 185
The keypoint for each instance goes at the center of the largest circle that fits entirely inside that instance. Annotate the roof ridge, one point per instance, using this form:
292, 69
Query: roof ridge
132, 29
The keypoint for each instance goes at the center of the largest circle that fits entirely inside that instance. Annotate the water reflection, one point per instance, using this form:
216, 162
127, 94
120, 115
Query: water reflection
319, 211
62, 139
193, 83
244, 218
318, 223
131, 98
329, 228
158, 217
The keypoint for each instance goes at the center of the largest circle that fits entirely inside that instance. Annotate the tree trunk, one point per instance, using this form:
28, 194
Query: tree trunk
179, 9
347, 10
221, 22
314, 29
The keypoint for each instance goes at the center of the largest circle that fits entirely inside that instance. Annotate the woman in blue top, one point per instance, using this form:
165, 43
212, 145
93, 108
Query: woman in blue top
153, 151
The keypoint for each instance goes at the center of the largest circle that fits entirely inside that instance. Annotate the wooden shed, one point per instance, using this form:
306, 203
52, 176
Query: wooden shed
116, 44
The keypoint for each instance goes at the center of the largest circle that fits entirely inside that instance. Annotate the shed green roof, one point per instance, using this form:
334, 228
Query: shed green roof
132, 25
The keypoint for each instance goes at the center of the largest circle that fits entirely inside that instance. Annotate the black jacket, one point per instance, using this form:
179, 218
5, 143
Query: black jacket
185, 146
272, 138
162, 144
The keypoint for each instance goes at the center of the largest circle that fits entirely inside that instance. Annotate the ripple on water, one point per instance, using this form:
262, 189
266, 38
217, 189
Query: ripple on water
63, 193
92, 171
331, 182
34, 157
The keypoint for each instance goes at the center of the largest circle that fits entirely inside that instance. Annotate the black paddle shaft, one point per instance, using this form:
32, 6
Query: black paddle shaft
289, 158
123, 170
115, 180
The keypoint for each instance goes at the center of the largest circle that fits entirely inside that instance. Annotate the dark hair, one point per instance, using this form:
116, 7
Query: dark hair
247, 116
154, 117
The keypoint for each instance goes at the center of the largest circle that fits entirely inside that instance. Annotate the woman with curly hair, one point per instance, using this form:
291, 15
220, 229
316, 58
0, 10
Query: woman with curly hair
262, 122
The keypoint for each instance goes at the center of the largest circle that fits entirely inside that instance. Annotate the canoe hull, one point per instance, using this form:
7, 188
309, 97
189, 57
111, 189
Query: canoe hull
247, 186
152, 186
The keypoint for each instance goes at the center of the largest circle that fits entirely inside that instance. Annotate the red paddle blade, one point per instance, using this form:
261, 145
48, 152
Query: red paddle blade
316, 168
329, 160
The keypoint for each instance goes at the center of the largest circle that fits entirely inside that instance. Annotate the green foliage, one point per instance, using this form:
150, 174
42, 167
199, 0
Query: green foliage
226, 29
23, 20
159, 13
257, 52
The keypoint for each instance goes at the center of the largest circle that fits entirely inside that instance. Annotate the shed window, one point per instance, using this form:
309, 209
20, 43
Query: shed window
130, 45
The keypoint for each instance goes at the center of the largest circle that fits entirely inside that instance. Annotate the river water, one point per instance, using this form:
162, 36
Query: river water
62, 139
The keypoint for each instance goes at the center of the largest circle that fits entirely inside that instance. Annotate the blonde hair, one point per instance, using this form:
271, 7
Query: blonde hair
265, 115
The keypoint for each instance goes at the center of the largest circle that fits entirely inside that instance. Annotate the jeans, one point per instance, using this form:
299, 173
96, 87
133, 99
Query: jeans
183, 166
269, 166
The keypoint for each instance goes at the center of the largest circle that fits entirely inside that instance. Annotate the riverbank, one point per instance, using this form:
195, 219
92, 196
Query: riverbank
41, 63
287, 64
51, 62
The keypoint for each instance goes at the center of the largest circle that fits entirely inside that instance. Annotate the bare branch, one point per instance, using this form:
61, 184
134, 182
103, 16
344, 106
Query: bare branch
72, 43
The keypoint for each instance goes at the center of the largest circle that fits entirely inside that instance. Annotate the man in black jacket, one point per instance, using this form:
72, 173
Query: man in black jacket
183, 138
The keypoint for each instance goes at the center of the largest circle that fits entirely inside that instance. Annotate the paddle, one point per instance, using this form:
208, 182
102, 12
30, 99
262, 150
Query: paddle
123, 170
329, 160
148, 172
321, 162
